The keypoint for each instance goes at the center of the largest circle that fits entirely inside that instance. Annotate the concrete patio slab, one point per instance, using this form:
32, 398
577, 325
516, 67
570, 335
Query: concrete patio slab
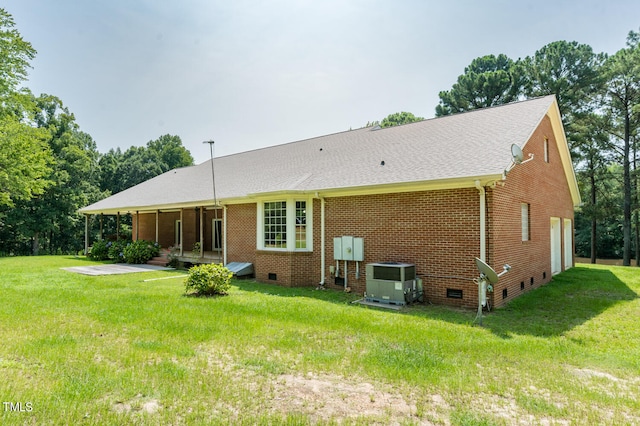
113, 269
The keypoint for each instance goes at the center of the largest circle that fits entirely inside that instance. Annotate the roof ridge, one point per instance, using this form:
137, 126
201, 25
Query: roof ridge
522, 101
289, 143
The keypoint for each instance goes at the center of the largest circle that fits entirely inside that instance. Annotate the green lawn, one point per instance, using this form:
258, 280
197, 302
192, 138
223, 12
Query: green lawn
117, 350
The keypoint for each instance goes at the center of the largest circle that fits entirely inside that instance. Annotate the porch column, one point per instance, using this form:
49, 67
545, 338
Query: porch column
157, 218
101, 231
201, 232
181, 234
137, 225
86, 234
118, 226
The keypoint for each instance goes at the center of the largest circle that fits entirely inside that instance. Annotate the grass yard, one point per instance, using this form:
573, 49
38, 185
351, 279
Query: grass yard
118, 350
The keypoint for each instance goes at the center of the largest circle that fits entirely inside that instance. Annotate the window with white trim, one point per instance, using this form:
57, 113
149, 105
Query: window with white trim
524, 207
275, 224
285, 224
301, 224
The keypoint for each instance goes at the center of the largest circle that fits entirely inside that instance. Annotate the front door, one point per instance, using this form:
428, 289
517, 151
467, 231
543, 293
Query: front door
216, 227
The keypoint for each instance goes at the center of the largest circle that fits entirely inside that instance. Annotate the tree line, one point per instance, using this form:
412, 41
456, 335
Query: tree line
599, 100
49, 168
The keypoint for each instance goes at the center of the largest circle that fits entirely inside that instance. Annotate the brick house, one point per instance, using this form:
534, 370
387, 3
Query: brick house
435, 193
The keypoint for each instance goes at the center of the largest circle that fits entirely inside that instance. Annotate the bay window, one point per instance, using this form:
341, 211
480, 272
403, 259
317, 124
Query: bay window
284, 225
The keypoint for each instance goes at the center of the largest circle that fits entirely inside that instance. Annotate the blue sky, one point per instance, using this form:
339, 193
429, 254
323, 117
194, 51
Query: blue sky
250, 74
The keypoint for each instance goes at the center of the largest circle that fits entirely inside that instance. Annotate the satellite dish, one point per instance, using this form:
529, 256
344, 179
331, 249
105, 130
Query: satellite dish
487, 271
517, 154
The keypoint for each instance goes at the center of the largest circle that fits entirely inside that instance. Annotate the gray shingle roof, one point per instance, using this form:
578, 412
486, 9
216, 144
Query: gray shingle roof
471, 144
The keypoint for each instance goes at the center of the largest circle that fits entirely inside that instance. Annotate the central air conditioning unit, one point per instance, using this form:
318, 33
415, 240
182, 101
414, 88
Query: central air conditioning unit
393, 283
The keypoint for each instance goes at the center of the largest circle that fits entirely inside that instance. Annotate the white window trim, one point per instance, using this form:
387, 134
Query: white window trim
291, 224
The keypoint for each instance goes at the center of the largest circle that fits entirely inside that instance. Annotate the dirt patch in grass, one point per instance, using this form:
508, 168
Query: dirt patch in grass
324, 397
137, 405
608, 383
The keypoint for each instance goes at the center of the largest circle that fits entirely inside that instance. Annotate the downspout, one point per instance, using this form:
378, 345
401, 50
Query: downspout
322, 240
483, 221
224, 234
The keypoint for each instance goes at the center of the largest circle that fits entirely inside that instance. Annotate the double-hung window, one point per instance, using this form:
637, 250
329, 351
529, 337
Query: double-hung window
301, 224
275, 224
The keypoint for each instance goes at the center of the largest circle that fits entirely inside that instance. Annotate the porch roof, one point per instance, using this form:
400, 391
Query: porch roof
453, 150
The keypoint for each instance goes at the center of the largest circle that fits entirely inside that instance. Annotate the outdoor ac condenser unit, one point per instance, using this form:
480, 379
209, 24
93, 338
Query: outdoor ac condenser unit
391, 282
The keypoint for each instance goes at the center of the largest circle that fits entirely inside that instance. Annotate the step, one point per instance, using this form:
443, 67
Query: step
161, 260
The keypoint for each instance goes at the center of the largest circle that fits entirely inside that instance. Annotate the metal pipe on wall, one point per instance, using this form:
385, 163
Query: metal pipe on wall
483, 221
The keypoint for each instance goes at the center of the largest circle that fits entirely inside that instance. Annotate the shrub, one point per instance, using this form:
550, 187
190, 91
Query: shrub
174, 253
99, 250
116, 250
208, 279
140, 251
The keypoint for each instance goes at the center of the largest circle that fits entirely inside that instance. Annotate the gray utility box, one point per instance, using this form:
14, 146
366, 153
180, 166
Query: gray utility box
391, 282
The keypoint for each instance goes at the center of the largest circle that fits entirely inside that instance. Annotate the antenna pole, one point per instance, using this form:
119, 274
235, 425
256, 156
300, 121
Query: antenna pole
215, 201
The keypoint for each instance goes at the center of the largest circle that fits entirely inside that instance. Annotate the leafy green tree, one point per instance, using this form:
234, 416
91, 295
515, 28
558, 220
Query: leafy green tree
24, 158
24, 161
138, 164
569, 70
622, 110
51, 220
170, 152
598, 186
15, 56
399, 118
489, 80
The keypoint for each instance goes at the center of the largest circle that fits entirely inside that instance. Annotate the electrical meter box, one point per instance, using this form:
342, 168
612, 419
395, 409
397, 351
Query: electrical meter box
348, 248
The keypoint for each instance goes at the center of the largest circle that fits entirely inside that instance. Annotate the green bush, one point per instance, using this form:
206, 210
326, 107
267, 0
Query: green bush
174, 253
116, 250
99, 250
140, 251
208, 279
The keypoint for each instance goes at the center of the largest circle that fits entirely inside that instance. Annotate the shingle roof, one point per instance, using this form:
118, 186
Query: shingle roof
471, 144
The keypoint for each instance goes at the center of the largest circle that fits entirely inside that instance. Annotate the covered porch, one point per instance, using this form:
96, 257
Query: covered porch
190, 234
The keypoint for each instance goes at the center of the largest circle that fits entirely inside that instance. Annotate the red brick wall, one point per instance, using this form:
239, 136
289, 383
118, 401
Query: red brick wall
438, 231
166, 227
290, 269
544, 187
147, 224
241, 233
